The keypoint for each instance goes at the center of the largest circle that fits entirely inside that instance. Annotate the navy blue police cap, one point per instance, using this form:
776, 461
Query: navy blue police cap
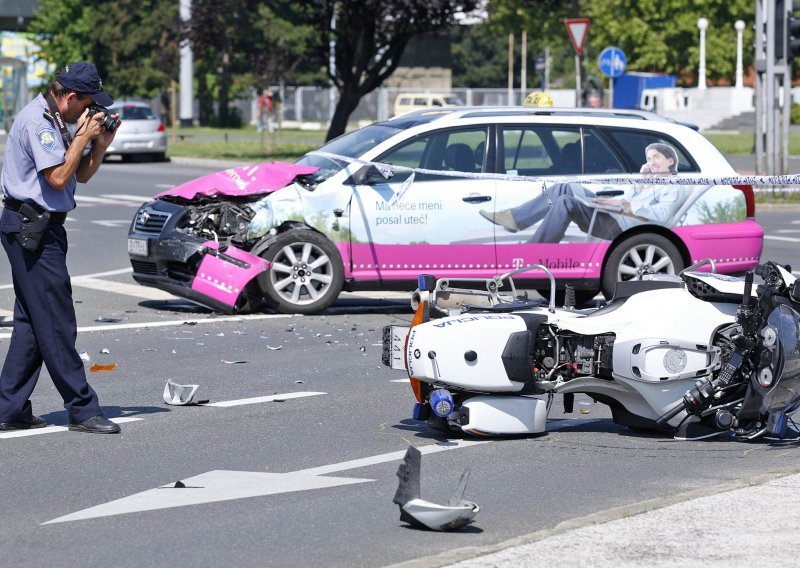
83, 77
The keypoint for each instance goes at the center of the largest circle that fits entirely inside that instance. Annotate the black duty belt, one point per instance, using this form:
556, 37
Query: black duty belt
16, 205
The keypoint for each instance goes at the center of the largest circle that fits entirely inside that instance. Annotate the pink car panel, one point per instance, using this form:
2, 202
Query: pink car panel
254, 179
223, 281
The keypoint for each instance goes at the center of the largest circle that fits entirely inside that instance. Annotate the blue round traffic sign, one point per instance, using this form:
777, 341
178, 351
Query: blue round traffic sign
612, 62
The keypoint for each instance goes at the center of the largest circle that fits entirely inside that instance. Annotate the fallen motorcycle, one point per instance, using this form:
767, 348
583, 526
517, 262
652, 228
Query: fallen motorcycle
697, 354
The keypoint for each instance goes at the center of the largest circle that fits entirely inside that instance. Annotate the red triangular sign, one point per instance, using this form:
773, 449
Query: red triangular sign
578, 29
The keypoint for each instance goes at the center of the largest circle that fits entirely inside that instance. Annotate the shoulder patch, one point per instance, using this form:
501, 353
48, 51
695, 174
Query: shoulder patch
47, 138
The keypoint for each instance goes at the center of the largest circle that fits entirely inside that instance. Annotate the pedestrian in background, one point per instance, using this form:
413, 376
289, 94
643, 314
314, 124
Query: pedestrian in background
42, 164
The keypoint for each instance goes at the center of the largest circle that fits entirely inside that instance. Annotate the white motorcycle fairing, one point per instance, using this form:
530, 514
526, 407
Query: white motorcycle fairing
661, 341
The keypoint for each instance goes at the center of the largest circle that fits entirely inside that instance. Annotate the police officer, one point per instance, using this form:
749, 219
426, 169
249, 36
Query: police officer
42, 164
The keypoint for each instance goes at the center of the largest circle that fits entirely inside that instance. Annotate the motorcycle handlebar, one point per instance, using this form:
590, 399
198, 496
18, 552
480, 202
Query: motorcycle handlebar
670, 414
747, 297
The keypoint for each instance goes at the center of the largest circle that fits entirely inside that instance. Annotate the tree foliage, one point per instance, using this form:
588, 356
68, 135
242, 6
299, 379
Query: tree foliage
369, 36
662, 36
133, 43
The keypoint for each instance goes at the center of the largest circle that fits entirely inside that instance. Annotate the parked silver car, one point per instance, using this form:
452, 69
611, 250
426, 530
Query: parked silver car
141, 132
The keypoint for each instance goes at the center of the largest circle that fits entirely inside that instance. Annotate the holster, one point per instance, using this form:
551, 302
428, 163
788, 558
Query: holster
34, 225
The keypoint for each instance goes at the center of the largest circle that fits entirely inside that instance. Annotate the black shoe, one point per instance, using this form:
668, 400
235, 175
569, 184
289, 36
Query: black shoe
96, 425
23, 424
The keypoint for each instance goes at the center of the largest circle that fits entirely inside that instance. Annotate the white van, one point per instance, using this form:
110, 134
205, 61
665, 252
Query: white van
416, 101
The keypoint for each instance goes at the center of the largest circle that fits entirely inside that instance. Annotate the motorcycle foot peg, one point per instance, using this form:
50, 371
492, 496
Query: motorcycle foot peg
569, 402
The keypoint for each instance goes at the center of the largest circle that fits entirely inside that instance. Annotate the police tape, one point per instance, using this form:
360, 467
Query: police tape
389, 170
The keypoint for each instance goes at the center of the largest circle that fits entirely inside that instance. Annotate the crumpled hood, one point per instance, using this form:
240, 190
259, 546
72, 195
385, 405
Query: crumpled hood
254, 179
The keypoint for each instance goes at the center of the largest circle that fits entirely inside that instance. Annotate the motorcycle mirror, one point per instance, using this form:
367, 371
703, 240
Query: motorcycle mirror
426, 283
794, 293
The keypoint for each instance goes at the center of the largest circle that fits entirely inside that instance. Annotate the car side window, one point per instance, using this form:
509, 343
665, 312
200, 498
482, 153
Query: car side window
633, 144
598, 158
460, 150
541, 150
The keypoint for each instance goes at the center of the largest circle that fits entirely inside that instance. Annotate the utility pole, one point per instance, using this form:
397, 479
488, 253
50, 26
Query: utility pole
774, 48
186, 72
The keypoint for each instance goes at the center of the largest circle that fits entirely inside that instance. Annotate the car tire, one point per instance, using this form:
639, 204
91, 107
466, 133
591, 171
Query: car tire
641, 254
306, 274
250, 300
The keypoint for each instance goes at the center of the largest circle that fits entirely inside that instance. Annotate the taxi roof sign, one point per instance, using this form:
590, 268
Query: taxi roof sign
578, 29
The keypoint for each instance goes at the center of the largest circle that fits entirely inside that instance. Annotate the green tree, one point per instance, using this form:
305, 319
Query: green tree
135, 51
662, 36
369, 36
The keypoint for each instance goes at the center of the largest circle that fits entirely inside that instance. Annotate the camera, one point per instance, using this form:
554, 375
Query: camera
108, 123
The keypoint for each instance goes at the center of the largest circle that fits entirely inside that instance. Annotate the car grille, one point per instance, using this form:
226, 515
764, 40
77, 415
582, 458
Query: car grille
150, 221
141, 267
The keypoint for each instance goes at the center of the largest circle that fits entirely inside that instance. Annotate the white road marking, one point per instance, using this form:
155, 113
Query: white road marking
94, 275
90, 201
152, 324
4, 313
223, 485
128, 197
210, 487
113, 223
400, 381
135, 290
392, 456
786, 239
54, 429
259, 399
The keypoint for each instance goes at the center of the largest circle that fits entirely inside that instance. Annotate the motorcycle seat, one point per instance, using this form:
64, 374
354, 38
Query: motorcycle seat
628, 288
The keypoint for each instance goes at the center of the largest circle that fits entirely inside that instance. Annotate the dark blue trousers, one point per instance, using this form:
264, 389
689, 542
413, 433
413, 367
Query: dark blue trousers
45, 329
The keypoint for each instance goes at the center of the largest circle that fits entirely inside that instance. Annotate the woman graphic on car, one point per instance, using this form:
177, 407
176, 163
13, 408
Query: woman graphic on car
604, 217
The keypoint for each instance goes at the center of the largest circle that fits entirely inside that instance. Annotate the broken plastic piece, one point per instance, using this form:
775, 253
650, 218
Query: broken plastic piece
105, 350
84, 356
233, 362
97, 367
456, 514
109, 319
181, 395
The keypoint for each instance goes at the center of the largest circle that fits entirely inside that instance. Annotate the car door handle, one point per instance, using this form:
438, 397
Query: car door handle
477, 198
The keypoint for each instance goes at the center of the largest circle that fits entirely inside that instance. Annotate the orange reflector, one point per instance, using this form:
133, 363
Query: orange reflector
95, 368
420, 316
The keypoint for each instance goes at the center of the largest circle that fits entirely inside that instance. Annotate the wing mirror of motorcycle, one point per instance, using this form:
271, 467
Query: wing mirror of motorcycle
794, 292
426, 283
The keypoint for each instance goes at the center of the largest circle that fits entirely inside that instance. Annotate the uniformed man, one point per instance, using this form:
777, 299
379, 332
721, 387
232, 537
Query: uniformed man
42, 164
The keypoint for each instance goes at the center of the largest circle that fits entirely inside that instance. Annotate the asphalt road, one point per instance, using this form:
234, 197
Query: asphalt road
305, 474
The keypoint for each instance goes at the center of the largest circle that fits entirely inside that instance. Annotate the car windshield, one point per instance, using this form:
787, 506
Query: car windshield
352, 145
130, 112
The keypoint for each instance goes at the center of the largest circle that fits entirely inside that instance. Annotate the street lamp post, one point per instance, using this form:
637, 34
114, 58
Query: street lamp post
702, 24
739, 25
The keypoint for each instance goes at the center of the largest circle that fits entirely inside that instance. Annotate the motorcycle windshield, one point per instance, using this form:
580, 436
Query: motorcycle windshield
786, 392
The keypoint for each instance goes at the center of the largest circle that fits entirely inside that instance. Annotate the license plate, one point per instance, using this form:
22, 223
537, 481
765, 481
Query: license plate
394, 343
137, 247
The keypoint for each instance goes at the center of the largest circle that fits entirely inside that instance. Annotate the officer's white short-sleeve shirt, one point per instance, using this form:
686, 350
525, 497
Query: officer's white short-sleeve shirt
34, 144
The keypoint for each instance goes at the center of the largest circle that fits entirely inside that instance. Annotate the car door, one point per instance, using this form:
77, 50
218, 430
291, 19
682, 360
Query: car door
523, 209
425, 222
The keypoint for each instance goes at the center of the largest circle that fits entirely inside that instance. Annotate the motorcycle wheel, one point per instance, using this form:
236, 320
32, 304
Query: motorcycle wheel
639, 255
306, 274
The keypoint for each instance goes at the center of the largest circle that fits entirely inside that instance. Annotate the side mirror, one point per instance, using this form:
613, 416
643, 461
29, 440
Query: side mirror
368, 175
426, 282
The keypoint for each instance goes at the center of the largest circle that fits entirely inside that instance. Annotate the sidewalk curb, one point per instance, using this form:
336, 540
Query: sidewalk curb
468, 553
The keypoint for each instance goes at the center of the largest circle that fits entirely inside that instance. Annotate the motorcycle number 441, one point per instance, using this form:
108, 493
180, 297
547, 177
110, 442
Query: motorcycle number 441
394, 341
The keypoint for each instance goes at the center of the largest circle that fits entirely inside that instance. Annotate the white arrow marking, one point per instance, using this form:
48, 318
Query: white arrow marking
222, 485
210, 487
786, 239
258, 399
53, 429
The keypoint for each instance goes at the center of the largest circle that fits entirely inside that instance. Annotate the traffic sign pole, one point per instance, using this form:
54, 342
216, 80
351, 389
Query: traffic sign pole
577, 30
